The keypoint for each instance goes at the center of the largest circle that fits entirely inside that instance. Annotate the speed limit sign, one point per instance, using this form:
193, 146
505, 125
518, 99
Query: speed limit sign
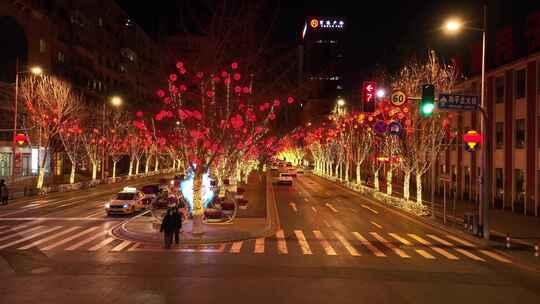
398, 98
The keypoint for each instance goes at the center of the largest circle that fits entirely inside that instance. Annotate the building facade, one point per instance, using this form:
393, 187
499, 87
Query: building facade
93, 44
513, 104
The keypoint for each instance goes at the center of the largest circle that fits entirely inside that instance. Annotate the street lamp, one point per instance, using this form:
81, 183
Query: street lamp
35, 70
116, 101
381, 93
485, 180
341, 102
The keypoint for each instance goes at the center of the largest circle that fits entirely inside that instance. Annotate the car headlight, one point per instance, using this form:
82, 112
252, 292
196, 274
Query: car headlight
126, 206
107, 205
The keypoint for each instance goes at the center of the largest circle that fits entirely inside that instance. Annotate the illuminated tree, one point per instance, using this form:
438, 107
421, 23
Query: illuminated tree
51, 104
71, 137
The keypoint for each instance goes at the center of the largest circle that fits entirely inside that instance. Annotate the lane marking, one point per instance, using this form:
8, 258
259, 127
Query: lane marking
390, 246
406, 242
293, 206
259, 245
440, 251
122, 246
236, 247
347, 245
324, 243
281, 243
63, 241
200, 248
30, 237
95, 213
302, 242
331, 207
48, 238
102, 244
314, 209
87, 240
368, 245
20, 233
376, 225
370, 209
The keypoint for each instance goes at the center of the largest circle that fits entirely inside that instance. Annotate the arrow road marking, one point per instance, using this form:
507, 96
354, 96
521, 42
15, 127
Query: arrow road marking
293, 206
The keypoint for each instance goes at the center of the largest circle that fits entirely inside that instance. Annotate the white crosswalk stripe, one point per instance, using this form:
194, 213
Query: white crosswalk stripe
86, 241
368, 245
490, 254
69, 239
347, 245
7, 237
122, 246
304, 245
19, 227
259, 245
391, 246
440, 251
409, 244
54, 236
236, 247
328, 249
24, 239
462, 251
281, 243
102, 244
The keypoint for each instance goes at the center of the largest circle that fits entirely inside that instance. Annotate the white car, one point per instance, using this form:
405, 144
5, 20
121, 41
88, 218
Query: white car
127, 201
285, 178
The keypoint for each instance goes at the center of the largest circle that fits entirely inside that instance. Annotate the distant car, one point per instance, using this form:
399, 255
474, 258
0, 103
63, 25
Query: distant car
292, 172
127, 201
300, 171
150, 193
285, 178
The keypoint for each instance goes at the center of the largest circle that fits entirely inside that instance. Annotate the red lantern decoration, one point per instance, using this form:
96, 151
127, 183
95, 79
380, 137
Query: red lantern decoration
20, 139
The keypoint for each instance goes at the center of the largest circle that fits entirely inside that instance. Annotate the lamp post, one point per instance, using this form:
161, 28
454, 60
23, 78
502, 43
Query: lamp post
36, 70
115, 101
485, 179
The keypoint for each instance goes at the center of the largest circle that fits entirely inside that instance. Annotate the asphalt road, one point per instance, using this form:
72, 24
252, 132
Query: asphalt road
334, 246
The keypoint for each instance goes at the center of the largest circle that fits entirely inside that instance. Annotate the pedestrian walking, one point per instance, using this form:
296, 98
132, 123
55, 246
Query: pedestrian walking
4, 192
168, 227
177, 218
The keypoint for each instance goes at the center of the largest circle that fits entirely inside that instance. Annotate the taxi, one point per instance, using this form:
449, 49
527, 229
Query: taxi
127, 201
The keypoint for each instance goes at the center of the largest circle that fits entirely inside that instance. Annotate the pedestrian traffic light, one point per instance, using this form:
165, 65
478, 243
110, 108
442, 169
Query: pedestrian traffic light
368, 96
427, 104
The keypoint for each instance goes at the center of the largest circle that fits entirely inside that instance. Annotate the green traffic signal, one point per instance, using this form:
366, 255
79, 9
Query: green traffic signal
427, 104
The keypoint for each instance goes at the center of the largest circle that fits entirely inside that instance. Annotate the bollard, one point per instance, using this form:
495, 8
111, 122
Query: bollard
507, 241
536, 250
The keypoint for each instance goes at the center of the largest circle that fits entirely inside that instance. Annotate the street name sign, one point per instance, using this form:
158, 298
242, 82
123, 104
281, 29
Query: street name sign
458, 102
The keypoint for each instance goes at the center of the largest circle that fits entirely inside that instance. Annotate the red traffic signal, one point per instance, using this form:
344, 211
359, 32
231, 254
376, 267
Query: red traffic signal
369, 89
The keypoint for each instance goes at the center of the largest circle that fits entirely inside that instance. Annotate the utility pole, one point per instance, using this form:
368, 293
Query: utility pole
15, 109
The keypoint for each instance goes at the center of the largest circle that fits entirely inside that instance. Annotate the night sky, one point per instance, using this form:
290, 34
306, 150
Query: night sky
379, 32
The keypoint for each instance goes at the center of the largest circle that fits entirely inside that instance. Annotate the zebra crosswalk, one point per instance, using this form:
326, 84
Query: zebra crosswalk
35, 235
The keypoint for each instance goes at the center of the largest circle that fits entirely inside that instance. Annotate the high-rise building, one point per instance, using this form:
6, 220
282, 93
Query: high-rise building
321, 64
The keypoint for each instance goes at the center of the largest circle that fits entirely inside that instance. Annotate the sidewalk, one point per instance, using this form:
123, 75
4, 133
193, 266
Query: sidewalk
259, 220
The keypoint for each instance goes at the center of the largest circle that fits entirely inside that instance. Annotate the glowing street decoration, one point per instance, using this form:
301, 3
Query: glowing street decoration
472, 140
186, 187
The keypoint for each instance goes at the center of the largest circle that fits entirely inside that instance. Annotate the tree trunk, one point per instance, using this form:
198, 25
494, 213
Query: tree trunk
418, 188
147, 165
198, 210
114, 170
336, 170
174, 165
72, 174
347, 171
358, 174
376, 180
94, 171
406, 185
137, 163
130, 167
389, 176
156, 164
41, 178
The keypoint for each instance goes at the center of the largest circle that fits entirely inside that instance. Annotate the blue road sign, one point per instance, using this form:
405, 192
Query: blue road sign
458, 102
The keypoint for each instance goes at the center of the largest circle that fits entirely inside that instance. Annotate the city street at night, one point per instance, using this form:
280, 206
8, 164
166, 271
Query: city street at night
269, 151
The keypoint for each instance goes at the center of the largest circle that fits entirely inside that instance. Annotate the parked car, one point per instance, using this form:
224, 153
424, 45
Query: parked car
127, 201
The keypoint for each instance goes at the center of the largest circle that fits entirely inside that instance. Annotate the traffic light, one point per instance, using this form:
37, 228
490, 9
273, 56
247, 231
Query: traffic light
368, 96
427, 104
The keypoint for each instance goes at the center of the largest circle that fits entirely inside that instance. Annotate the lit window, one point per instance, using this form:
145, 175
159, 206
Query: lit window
42, 46
520, 133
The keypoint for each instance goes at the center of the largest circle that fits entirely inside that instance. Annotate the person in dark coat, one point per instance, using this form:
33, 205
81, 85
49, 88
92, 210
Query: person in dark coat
168, 227
4, 193
177, 218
